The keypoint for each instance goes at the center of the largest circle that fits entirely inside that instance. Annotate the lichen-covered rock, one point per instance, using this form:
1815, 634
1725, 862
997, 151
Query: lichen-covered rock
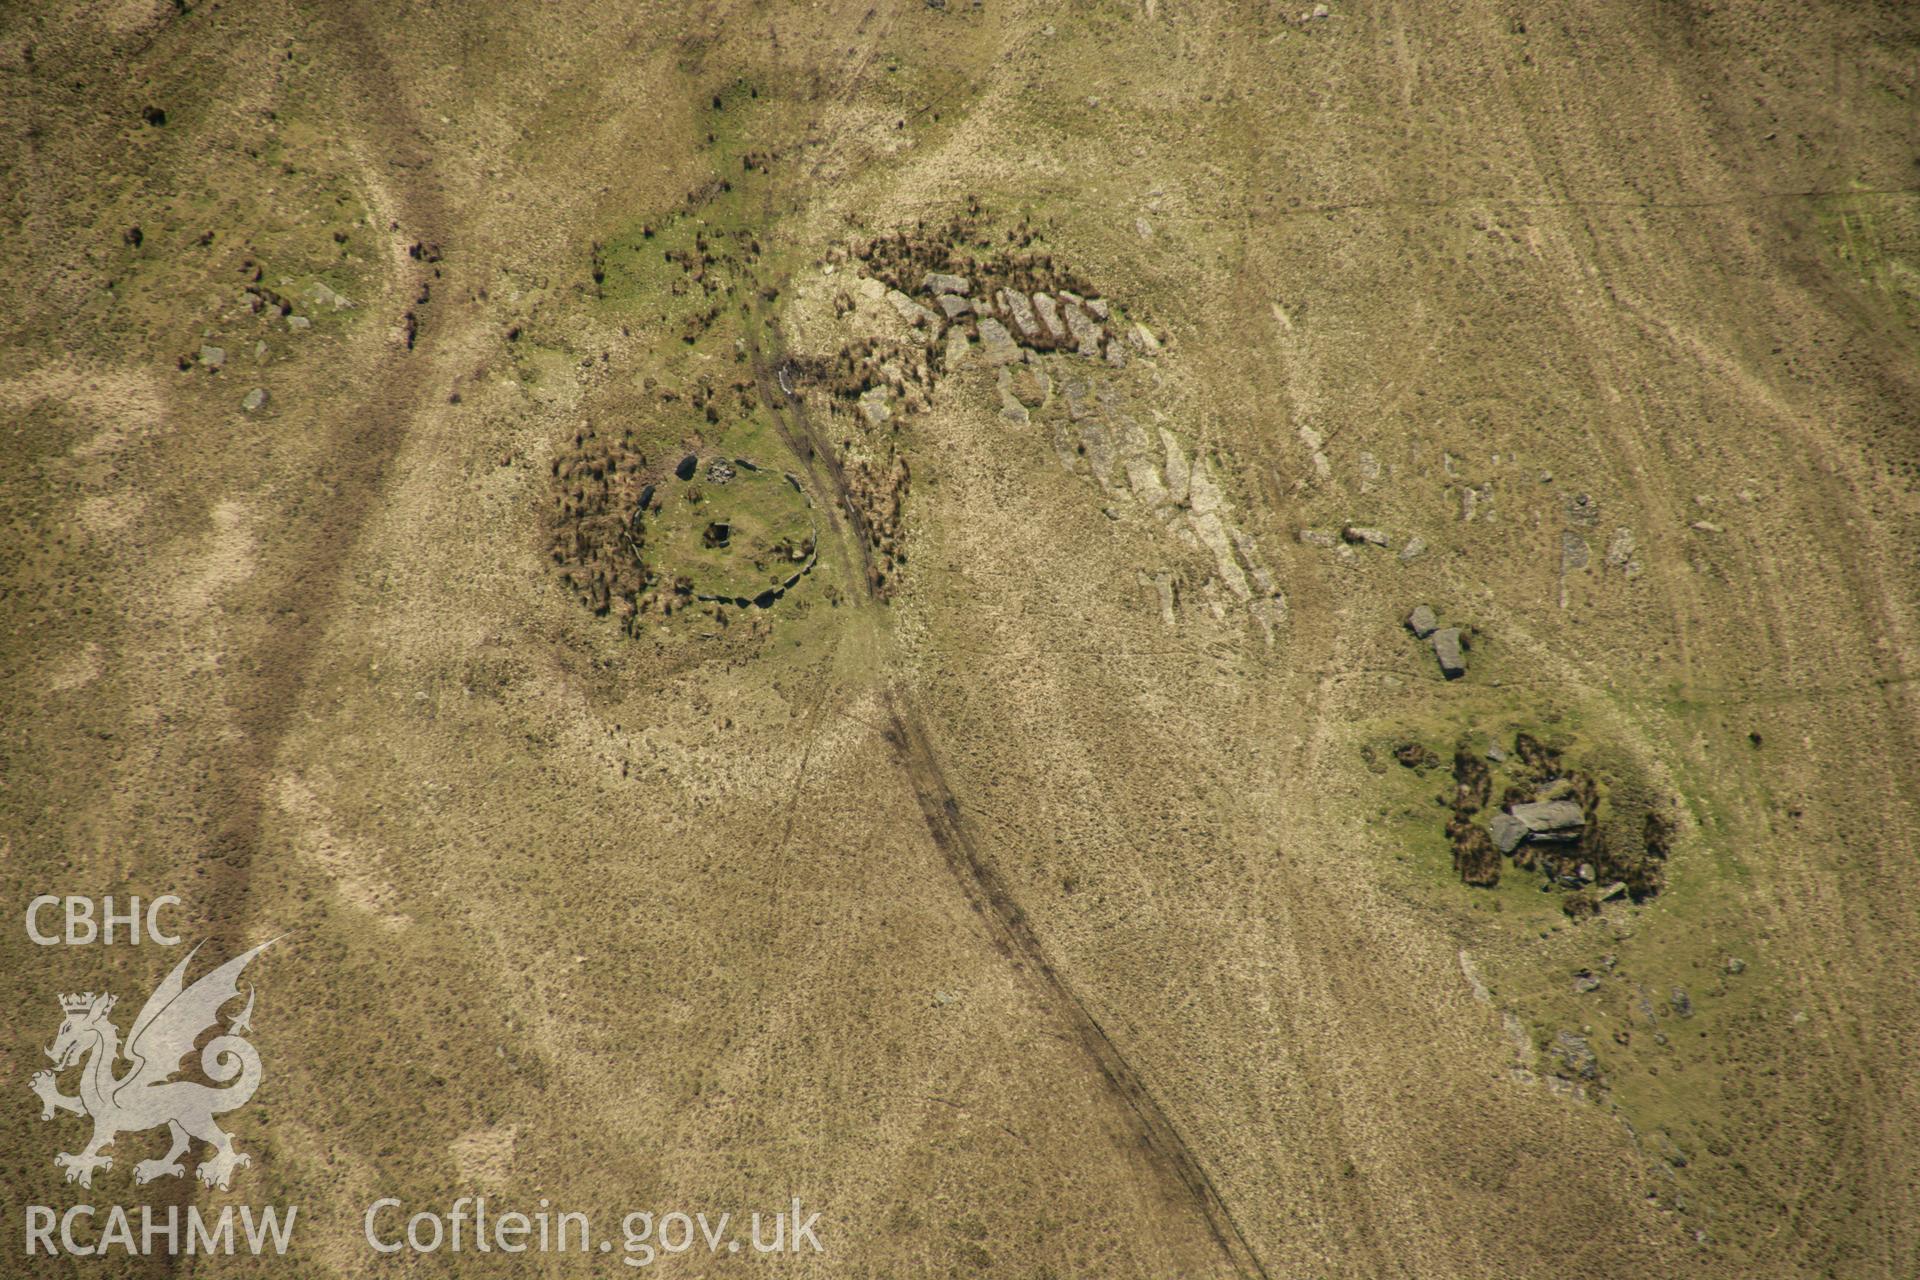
1081, 328
912, 312
1052, 327
996, 344
1018, 309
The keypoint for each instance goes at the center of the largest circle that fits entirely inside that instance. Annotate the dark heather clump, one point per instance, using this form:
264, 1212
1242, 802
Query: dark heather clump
1473, 782
1414, 756
1474, 855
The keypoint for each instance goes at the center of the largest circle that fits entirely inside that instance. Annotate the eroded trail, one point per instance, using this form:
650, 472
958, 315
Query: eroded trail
325, 524
358, 457
1185, 1181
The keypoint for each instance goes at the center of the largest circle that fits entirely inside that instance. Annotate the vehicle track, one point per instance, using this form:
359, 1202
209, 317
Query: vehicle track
1186, 1178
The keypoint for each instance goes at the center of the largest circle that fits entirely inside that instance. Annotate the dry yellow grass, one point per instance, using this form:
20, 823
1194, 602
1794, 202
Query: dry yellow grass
1040, 914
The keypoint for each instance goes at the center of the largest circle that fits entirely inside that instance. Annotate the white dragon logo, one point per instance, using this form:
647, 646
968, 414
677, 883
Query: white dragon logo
147, 1096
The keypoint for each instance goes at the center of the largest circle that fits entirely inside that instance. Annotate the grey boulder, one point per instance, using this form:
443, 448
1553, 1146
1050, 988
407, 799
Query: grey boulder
1448, 648
938, 283
1507, 831
996, 344
1550, 817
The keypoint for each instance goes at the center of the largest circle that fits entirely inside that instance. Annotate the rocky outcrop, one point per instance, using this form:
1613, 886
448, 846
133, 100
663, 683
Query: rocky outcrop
968, 299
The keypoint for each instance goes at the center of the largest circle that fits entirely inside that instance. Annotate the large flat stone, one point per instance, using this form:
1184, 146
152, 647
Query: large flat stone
1545, 817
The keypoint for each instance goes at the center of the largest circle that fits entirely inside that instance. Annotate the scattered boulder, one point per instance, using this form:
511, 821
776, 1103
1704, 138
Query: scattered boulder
1422, 622
953, 305
325, 297
939, 282
1449, 649
1574, 1057
256, 400
873, 406
1415, 548
1359, 534
213, 357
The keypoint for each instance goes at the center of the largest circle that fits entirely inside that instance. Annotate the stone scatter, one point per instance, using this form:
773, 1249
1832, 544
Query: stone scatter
1012, 307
